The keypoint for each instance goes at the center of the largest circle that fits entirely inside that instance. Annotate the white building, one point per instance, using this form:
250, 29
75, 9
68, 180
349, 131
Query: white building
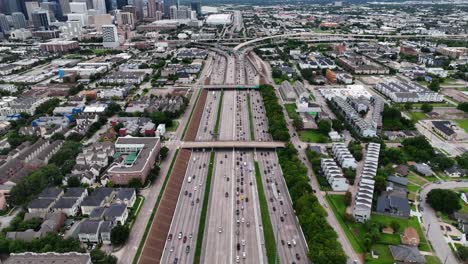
219, 19
363, 199
110, 39
343, 156
334, 175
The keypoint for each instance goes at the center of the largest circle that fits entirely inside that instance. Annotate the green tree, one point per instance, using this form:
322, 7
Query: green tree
163, 152
395, 226
348, 198
446, 201
463, 106
134, 183
98, 256
434, 85
441, 162
338, 125
119, 235
73, 181
462, 252
426, 108
324, 127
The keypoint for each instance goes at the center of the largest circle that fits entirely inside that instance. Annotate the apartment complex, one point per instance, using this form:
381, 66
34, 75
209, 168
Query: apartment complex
334, 175
134, 158
363, 200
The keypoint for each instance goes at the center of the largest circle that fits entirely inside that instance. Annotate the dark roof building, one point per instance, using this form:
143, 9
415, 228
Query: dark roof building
407, 254
51, 257
394, 204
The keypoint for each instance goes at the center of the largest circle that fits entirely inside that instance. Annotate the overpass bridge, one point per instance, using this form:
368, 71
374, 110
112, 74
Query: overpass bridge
336, 36
227, 87
232, 144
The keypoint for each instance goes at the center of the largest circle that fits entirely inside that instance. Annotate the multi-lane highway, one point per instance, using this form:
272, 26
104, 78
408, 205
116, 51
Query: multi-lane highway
182, 236
233, 231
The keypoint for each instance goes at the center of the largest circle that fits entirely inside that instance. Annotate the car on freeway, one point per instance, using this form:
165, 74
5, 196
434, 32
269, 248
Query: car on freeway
185, 239
298, 257
187, 249
169, 238
180, 235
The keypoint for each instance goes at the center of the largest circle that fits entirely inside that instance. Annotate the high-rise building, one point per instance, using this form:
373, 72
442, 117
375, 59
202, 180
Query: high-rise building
159, 15
30, 7
101, 20
121, 4
139, 9
130, 9
152, 8
4, 24
40, 19
110, 39
10, 6
89, 3
125, 19
196, 6
110, 5
173, 12
55, 12
100, 7
184, 12
78, 8
167, 7
19, 20
65, 6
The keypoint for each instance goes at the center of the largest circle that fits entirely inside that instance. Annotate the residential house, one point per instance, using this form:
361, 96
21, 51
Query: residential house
456, 171
105, 231
343, 156
125, 196
407, 254
98, 198
393, 203
423, 169
117, 213
89, 231
334, 175
67, 205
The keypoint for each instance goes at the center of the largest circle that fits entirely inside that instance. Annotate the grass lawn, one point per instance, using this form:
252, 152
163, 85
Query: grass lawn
463, 123
433, 260
313, 136
385, 257
416, 116
417, 179
413, 188
291, 109
356, 231
173, 128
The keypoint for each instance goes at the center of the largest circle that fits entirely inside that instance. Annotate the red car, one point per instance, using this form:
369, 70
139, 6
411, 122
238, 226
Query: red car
185, 239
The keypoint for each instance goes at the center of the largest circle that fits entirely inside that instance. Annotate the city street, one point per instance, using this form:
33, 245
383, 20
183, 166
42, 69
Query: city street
431, 222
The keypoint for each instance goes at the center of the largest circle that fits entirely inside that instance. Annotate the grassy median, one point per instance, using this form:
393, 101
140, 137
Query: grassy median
201, 225
252, 134
268, 233
150, 221
218, 115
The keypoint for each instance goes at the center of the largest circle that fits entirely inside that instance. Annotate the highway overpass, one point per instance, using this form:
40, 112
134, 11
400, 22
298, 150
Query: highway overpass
335, 36
232, 144
227, 86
